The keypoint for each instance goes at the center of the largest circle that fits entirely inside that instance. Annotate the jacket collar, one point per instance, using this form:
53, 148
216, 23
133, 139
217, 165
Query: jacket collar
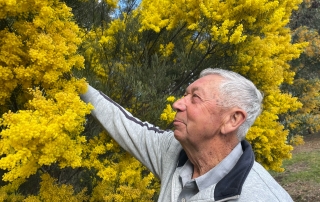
231, 184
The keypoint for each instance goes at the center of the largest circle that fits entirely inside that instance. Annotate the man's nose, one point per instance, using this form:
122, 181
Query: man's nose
179, 105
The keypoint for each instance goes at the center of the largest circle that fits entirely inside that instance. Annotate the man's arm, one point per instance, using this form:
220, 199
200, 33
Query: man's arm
144, 141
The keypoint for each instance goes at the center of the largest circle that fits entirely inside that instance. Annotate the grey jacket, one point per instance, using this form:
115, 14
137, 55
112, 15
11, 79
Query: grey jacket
162, 154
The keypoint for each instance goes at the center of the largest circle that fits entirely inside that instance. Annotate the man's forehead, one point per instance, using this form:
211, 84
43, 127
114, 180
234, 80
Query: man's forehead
192, 88
208, 81
197, 87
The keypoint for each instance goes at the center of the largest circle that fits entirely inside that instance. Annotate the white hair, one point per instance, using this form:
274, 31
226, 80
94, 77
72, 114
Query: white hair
237, 91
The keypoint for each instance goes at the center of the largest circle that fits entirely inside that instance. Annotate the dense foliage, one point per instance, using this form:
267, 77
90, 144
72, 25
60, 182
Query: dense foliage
305, 27
143, 56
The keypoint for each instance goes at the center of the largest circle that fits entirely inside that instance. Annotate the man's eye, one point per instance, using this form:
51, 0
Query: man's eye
195, 97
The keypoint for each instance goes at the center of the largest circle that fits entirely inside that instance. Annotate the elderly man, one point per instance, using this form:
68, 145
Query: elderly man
206, 157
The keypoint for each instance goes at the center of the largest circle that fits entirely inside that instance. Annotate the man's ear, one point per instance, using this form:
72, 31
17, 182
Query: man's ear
233, 120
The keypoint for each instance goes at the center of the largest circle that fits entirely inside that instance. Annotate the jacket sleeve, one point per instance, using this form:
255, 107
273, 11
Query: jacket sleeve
144, 141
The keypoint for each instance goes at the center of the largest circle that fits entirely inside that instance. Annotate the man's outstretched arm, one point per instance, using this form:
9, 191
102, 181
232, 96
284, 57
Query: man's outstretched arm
143, 140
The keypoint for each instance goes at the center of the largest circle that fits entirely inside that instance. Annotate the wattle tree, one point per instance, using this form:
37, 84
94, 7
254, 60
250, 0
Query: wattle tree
141, 54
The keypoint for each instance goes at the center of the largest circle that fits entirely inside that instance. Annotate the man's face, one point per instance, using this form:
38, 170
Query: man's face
199, 113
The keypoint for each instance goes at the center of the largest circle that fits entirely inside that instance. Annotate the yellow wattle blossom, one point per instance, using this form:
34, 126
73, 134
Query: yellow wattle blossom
297, 140
171, 99
120, 167
167, 50
40, 51
44, 129
112, 3
51, 191
237, 37
168, 113
37, 57
32, 139
8, 191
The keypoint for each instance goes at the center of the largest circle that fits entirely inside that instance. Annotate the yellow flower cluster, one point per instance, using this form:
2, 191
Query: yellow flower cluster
121, 173
269, 142
297, 140
10, 56
167, 50
37, 52
113, 28
311, 36
37, 56
51, 191
154, 14
100, 44
222, 33
8, 191
228, 20
168, 113
112, 3
47, 133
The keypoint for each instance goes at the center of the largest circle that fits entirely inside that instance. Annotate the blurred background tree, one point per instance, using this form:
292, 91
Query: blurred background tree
305, 27
143, 55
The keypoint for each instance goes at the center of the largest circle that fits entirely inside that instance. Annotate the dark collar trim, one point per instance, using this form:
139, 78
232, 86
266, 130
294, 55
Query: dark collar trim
231, 184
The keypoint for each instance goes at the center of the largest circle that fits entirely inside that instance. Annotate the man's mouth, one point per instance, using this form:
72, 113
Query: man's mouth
177, 122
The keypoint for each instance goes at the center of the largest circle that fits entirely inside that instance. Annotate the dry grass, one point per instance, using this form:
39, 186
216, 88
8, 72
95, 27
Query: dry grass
302, 175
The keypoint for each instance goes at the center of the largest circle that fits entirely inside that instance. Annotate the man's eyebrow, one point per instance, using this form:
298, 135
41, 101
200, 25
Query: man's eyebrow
195, 89
192, 89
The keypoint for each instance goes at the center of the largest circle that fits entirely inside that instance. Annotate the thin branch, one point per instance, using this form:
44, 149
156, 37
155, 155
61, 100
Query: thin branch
192, 72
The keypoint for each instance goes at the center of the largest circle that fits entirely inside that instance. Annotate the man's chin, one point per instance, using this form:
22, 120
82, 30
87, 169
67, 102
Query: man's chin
178, 135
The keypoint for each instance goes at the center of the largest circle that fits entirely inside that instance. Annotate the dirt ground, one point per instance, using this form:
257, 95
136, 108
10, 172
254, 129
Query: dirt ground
312, 142
303, 191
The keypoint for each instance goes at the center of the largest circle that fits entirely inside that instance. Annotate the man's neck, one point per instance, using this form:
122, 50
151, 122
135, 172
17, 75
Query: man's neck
208, 155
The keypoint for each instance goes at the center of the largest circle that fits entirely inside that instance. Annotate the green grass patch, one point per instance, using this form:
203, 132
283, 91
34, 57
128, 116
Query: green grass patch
304, 166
